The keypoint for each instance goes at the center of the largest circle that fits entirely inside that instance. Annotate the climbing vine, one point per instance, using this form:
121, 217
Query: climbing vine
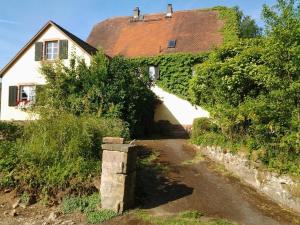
175, 70
230, 30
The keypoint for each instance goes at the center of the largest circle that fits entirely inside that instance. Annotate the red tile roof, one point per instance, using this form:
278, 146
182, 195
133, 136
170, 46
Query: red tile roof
194, 31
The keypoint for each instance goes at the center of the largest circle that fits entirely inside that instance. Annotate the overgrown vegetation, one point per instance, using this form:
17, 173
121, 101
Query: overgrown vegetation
251, 89
175, 70
184, 218
59, 152
115, 88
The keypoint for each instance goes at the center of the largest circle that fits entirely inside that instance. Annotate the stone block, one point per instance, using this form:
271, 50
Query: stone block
113, 140
123, 161
117, 191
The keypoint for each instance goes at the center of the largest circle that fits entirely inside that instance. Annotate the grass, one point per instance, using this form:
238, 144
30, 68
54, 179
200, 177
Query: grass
198, 158
90, 206
184, 218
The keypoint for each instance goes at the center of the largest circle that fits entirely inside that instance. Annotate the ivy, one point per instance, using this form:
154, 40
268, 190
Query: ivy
230, 30
176, 70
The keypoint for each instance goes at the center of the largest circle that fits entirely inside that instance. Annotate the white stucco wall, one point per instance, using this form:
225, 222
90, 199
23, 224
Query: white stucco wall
176, 110
26, 71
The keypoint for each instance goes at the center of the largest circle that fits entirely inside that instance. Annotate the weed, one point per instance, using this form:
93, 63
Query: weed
184, 218
89, 205
100, 216
198, 158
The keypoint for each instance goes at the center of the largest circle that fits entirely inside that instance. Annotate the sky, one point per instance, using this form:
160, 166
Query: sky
20, 20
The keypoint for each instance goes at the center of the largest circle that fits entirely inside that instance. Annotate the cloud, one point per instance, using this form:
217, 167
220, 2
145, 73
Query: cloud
9, 21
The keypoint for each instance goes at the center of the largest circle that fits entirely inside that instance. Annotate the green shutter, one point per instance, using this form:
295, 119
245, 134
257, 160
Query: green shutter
13, 95
38, 51
63, 49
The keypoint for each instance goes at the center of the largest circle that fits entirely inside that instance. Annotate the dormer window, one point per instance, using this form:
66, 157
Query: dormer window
172, 44
51, 50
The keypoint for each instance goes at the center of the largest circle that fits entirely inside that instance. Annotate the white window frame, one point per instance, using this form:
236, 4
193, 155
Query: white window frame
30, 100
154, 73
51, 53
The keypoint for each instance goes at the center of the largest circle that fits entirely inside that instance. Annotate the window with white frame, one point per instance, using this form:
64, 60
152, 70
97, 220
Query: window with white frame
153, 73
51, 50
27, 93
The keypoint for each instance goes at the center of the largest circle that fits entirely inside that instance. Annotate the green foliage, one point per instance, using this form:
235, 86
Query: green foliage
203, 125
252, 90
100, 216
175, 70
116, 88
10, 131
57, 152
89, 205
231, 29
184, 218
247, 26
85, 203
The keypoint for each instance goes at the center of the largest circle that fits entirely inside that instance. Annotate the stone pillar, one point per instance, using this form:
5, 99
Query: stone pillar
118, 176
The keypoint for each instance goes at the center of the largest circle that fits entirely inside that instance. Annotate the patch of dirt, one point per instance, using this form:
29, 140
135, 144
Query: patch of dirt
36, 214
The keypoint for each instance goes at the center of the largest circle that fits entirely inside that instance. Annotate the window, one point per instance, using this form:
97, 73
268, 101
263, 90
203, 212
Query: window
172, 44
51, 50
153, 73
27, 93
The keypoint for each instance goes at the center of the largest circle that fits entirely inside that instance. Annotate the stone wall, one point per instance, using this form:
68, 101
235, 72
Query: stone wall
280, 188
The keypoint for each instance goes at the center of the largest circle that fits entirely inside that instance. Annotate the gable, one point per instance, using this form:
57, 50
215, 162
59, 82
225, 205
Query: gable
52, 31
193, 31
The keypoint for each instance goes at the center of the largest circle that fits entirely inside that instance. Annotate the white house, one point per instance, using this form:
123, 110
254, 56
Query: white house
21, 75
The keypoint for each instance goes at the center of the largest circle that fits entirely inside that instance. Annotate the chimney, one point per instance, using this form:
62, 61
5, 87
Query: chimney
169, 10
136, 13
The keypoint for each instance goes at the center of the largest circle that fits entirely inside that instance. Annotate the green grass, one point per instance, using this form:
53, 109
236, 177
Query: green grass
100, 216
184, 218
197, 158
90, 206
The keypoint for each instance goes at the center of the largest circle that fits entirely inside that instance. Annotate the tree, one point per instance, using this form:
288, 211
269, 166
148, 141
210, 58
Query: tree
107, 88
252, 89
247, 26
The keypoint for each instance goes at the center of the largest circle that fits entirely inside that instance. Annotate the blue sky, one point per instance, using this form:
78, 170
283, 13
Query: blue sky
21, 19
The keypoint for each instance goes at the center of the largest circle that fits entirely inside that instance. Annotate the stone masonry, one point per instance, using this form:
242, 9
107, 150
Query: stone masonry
118, 176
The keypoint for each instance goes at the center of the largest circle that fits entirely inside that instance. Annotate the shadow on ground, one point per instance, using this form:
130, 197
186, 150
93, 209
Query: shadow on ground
153, 187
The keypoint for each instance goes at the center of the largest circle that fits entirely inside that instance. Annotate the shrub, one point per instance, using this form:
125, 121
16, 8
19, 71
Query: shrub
252, 88
116, 88
57, 152
203, 125
10, 131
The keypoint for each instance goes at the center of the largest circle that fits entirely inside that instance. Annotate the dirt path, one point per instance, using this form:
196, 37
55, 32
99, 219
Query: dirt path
200, 187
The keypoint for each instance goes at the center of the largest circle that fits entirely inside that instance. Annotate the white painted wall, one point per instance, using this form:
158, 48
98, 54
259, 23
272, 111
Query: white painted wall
26, 71
176, 110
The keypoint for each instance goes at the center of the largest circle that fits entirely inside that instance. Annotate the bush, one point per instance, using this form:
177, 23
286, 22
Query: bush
203, 125
10, 131
116, 88
252, 88
57, 152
